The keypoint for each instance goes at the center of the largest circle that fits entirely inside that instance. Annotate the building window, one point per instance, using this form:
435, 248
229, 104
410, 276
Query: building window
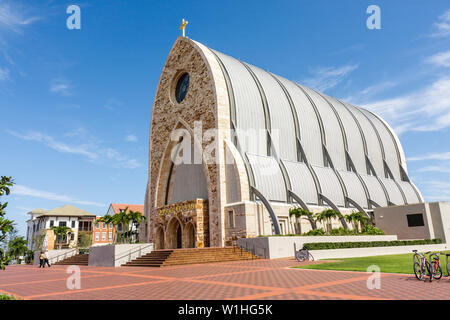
415, 220
103, 225
182, 87
110, 225
231, 219
97, 236
103, 236
63, 224
110, 236
52, 223
85, 226
72, 236
73, 224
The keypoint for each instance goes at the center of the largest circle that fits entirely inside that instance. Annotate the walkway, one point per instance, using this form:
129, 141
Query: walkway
253, 280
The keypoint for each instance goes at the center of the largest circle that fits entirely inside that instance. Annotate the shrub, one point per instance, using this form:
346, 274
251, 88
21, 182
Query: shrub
368, 244
316, 232
6, 297
371, 230
342, 232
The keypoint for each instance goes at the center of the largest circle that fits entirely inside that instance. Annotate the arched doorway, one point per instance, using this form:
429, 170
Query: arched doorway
174, 234
159, 243
189, 234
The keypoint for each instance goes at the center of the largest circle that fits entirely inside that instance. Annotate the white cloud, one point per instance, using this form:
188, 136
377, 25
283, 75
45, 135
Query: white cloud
442, 26
425, 109
13, 18
60, 86
440, 169
436, 190
92, 149
26, 191
441, 59
431, 156
328, 77
4, 74
131, 138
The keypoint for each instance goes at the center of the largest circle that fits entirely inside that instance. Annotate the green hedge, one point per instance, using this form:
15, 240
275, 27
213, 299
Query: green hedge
368, 244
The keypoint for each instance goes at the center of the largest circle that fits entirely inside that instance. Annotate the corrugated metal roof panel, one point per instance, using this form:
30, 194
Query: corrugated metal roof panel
393, 191
333, 132
376, 192
408, 190
355, 189
268, 177
250, 118
310, 135
302, 181
330, 185
281, 118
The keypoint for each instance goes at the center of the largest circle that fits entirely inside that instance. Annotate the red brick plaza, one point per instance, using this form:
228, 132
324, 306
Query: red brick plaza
242, 280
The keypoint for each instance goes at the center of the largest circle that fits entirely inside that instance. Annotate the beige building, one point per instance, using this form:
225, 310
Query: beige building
41, 221
233, 147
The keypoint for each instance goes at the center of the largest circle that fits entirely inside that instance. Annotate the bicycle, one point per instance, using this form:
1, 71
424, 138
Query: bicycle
303, 254
436, 269
420, 263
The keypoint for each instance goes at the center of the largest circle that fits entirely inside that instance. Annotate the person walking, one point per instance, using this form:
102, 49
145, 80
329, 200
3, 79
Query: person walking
46, 259
41, 259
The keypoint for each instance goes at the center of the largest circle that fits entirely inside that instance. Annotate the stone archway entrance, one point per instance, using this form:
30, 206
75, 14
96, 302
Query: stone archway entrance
189, 236
182, 225
159, 238
174, 234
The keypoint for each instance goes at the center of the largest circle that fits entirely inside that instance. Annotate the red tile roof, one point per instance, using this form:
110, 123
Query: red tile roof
131, 207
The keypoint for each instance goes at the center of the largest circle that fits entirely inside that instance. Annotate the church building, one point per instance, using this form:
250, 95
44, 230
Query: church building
233, 147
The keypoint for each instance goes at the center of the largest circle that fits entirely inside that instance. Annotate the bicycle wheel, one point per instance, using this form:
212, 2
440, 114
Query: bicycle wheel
429, 270
418, 271
437, 271
311, 258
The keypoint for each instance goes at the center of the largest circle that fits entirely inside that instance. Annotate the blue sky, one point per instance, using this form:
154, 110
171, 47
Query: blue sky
75, 105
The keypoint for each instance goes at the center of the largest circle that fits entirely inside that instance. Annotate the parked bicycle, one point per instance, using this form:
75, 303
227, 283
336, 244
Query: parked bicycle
431, 266
421, 265
303, 254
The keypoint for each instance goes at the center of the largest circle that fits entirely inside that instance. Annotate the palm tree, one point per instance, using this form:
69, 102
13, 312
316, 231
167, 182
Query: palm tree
17, 247
60, 233
327, 216
298, 213
137, 218
122, 219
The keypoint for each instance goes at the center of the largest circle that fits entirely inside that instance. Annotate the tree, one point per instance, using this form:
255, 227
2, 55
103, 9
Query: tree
299, 213
136, 218
357, 219
60, 233
5, 224
327, 216
17, 247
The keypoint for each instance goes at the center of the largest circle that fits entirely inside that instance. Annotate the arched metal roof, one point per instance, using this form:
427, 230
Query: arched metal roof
318, 145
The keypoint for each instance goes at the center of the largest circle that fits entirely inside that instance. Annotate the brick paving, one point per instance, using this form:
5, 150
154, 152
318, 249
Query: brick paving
239, 280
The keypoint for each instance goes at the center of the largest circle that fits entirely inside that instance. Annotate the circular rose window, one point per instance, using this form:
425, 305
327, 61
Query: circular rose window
182, 87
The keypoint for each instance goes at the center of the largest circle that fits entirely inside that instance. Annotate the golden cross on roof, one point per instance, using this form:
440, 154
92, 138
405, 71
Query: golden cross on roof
183, 26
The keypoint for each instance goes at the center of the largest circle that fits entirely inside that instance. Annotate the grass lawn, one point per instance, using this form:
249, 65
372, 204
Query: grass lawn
397, 263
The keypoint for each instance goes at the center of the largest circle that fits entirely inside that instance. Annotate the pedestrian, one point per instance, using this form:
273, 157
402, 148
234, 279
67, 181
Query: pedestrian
41, 259
46, 259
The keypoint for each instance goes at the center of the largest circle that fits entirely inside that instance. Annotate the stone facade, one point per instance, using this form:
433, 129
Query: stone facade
207, 102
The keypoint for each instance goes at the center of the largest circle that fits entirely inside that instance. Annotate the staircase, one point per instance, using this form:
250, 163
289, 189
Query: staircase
173, 257
76, 260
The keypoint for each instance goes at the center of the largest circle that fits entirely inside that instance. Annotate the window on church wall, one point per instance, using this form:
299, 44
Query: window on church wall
182, 87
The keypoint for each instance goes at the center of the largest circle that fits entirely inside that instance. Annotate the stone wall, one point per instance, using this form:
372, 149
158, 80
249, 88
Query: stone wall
206, 101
